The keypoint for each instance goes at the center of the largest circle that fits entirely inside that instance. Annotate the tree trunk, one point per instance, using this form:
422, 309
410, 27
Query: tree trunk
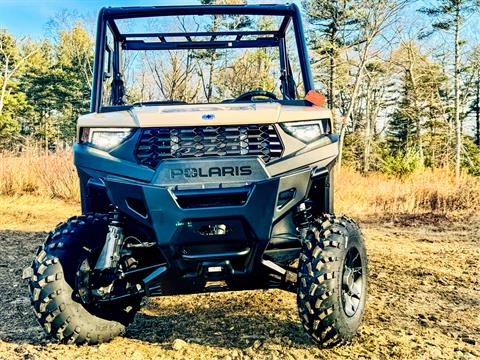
477, 113
46, 136
366, 151
353, 99
368, 109
332, 99
458, 125
332, 87
212, 63
4, 85
418, 110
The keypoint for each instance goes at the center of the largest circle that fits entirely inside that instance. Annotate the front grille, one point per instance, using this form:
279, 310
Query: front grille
156, 144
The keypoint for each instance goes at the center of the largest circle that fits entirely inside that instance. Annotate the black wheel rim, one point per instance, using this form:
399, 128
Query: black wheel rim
352, 282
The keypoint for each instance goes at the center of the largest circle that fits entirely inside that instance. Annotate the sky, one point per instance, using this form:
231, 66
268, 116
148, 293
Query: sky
29, 17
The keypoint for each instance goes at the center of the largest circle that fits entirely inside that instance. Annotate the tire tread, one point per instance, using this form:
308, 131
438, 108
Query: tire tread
59, 315
318, 271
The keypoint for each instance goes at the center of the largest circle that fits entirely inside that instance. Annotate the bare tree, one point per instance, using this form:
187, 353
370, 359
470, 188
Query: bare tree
172, 76
12, 60
374, 18
375, 88
449, 15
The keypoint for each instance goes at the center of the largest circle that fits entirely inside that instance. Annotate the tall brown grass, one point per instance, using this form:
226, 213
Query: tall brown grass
426, 191
34, 172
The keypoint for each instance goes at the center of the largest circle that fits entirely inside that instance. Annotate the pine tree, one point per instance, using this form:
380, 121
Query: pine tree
418, 123
449, 15
474, 70
333, 31
401, 130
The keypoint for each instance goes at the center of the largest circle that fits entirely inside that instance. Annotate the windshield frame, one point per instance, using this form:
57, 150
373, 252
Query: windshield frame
107, 17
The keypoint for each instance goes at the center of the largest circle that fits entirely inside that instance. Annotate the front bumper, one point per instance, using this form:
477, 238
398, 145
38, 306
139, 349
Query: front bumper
183, 200
182, 233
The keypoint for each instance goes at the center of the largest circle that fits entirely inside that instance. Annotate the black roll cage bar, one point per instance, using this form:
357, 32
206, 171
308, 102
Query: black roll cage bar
108, 15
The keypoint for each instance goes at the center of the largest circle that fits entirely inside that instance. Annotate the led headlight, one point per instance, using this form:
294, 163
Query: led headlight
104, 138
306, 131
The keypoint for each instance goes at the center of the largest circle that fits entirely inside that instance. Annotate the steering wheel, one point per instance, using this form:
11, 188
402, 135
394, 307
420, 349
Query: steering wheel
251, 94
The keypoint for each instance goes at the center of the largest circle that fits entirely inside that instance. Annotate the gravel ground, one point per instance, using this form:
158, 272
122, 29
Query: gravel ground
424, 302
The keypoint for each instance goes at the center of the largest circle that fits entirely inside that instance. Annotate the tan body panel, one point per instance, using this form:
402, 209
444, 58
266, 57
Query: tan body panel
317, 152
191, 115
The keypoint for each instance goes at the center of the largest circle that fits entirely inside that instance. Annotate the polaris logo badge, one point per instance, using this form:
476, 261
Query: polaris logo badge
208, 116
215, 171
205, 171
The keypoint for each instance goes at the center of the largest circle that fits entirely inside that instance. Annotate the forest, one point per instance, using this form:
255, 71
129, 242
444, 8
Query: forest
402, 79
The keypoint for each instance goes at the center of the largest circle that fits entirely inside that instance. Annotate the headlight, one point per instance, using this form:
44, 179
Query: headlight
104, 138
307, 131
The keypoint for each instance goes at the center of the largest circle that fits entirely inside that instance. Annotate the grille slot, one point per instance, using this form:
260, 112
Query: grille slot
188, 199
156, 144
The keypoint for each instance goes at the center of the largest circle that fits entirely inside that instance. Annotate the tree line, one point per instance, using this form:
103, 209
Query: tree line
400, 102
45, 85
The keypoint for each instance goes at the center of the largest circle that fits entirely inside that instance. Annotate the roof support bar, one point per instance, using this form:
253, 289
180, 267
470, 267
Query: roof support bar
201, 33
141, 45
152, 11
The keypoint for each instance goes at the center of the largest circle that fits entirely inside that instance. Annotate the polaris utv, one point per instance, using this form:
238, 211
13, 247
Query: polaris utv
198, 176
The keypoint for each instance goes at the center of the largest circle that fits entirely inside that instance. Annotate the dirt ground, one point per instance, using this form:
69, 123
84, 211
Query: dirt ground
424, 302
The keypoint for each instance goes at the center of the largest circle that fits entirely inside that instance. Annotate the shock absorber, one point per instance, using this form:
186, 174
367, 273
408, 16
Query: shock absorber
110, 254
303, 216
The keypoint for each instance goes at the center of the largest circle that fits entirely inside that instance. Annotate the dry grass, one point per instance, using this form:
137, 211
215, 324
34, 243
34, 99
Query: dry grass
428, 191
35, 173
34, 213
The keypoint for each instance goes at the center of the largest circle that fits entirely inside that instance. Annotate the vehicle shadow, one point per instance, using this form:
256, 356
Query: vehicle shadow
227, 324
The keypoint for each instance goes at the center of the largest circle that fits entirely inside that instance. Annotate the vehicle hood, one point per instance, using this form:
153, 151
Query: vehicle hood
203, 115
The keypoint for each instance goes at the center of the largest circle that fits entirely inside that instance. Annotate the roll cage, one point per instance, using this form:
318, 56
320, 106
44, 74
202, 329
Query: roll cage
169, 41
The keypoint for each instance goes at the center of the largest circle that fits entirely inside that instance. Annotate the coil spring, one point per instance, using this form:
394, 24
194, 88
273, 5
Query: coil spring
303, 216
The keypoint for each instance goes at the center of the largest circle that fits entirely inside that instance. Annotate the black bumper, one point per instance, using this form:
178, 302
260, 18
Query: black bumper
182, 233
181, 211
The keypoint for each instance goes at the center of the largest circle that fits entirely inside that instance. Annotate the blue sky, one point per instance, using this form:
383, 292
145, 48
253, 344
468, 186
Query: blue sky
29, 17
